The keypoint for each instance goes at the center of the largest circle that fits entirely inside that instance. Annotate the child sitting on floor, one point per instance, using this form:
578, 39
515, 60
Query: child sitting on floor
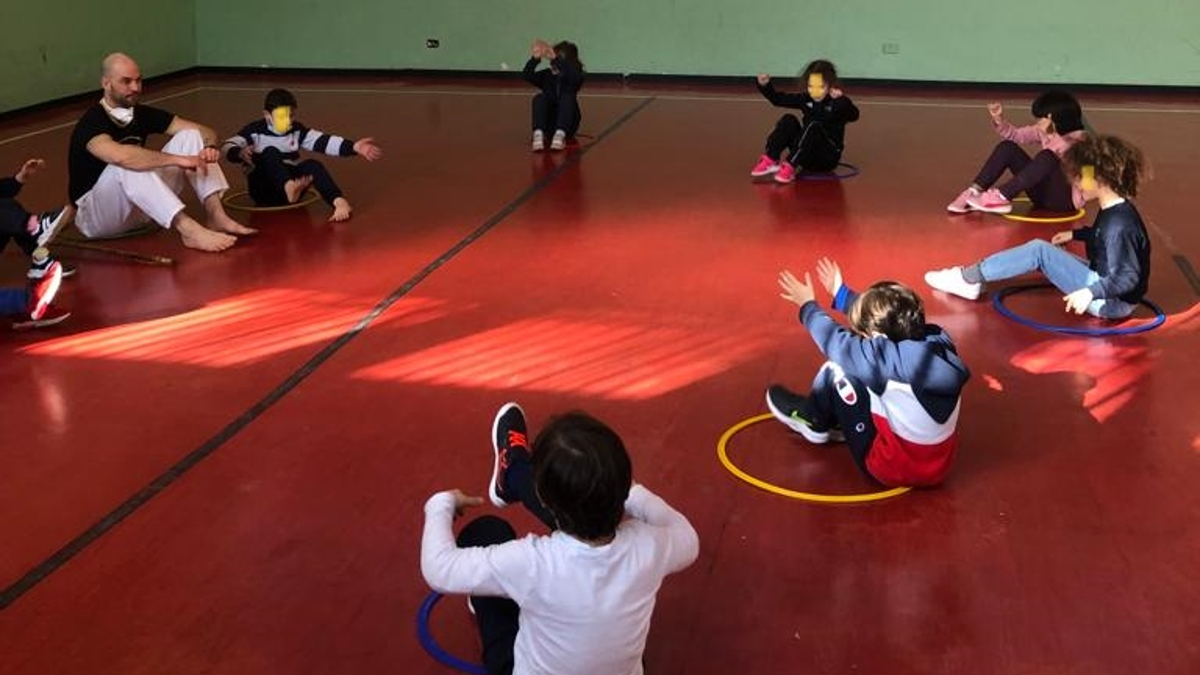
269, 150
557, 105
1116, 274
577, 601
891, 387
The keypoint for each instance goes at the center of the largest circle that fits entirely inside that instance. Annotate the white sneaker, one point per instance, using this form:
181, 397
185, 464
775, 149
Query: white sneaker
951, 281
539, 140
559, 141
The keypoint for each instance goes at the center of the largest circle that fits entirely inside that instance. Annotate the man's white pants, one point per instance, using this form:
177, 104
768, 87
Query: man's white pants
122, 199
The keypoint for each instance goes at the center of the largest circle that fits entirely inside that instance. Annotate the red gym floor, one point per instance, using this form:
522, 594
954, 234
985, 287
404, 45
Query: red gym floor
219, 467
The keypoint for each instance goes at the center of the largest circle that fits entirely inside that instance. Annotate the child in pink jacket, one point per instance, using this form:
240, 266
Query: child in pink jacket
1059, 126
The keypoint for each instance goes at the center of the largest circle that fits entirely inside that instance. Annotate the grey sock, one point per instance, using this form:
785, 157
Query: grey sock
972, 274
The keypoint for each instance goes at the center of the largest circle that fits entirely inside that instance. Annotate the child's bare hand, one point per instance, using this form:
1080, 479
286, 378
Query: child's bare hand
995, 110
366, 148
795, 290
1061, 238
763, 79
1078, 301
463, 501
247, 156
30, 167
836, 92
830, 275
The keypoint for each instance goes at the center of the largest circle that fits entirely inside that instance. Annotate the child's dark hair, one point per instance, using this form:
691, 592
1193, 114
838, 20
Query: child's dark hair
569, 51
824, 68
1116, 162
279, 97
582, 474
1062, 109
891, 309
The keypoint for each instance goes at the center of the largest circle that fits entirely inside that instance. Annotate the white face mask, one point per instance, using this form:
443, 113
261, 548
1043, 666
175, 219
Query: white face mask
121, 116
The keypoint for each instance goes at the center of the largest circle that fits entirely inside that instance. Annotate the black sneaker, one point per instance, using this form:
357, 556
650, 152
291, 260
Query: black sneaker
508, 438
787, 407
49, 224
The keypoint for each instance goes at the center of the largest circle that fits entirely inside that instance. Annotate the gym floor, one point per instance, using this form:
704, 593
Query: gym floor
220, 466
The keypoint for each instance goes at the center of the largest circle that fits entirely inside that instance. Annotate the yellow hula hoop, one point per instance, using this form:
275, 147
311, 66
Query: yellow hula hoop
230, 200
1049, 220
793, 494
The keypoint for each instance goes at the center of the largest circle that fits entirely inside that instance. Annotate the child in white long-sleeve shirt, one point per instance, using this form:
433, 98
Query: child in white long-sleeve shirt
576, 602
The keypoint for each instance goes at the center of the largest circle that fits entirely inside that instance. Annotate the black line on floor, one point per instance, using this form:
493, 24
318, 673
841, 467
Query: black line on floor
89, 536
1189, 272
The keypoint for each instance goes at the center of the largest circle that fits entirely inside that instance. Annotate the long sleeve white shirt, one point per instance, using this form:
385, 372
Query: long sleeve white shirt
585, 610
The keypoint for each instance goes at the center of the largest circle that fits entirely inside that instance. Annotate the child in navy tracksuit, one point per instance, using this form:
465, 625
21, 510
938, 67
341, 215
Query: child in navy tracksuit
816, 142
1116, 274
557, 106
269, 149
891, 386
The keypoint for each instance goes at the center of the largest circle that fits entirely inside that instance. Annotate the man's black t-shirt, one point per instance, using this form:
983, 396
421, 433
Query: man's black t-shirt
84, 168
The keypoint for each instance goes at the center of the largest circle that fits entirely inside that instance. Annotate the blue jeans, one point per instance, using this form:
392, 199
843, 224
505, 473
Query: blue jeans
13, 301
1066, 271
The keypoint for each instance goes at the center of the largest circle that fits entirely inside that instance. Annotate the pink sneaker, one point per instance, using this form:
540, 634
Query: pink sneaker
991, 201
786, 173
765, 167
960, 203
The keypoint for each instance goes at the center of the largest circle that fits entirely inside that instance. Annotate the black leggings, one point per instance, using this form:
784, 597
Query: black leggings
271, 172
14, 225
498, 618
550, 114
1040, 177
809, 146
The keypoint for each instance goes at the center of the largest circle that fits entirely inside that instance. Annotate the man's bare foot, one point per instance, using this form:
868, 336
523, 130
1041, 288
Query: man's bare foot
194, 235
341, 210
296, 187
221, 222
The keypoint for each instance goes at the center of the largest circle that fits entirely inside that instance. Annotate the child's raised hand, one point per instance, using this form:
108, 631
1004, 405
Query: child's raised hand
836, 92
830, 275
763, 79
1062, 238
1079, 300
795, 290
366, 148
30, 167
995, 110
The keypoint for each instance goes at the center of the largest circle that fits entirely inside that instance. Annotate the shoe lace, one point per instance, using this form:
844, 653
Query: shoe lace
516, 439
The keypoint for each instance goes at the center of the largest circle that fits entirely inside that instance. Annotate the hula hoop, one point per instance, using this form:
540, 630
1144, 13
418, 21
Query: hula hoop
793, 494
1160, 317
233, 200
1046, 219
850, 172
433, 648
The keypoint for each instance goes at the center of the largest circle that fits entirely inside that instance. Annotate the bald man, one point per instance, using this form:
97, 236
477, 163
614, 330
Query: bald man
117, 184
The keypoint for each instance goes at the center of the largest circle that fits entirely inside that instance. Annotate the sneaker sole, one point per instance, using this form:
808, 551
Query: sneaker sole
40, 323
43, 304
760, 174
493, 495
1000, 210
802, 428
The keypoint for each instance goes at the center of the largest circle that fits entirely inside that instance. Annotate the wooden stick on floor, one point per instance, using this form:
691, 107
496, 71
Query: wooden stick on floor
132, 256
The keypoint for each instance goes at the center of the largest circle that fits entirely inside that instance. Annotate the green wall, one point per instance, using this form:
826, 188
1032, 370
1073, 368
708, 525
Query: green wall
1072, 41
53, 48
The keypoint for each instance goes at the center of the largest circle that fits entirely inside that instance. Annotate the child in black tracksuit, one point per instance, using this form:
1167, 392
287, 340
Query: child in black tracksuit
557, 106
269, 148
816, 142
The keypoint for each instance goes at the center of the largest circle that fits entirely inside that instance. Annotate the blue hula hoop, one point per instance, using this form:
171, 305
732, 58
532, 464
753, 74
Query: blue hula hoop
1160, 317
851, 172
430, 645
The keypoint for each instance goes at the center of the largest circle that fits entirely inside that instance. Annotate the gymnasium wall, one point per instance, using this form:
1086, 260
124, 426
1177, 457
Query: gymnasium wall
53, 48
1070, 41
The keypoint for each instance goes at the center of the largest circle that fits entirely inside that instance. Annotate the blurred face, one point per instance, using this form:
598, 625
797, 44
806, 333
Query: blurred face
122, 84
1086, 182
817, 87
280, 119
